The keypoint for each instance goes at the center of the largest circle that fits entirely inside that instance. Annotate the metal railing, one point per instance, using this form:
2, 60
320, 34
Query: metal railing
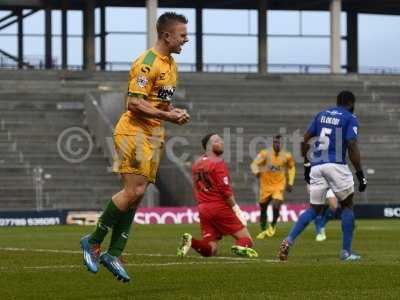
38, 64
100, 126
38, 182
234, 67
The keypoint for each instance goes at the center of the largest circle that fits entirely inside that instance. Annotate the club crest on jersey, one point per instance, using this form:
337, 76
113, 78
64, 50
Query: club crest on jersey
275, 168
165, 93
142, 81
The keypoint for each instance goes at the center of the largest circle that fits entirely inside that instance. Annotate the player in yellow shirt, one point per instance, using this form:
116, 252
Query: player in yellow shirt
139, 140
270, 167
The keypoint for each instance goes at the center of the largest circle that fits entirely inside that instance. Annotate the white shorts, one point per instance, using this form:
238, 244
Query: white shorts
329, 193
333, 176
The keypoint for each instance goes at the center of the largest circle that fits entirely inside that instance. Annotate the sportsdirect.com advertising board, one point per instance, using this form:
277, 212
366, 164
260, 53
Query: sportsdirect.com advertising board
182, 215
176, 215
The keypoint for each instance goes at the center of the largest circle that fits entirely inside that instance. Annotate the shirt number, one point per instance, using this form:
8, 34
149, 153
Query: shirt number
203, 182
324, 139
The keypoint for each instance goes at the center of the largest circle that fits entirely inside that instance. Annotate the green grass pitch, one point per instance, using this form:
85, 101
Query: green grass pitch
46, 263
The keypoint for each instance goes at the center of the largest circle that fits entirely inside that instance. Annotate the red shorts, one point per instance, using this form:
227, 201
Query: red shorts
217, 221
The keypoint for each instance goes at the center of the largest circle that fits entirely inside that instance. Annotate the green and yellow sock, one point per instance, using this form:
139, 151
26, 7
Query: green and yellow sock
110, 216
120, 233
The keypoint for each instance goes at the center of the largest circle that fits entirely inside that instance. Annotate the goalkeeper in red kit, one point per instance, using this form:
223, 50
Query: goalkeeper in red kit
218, 212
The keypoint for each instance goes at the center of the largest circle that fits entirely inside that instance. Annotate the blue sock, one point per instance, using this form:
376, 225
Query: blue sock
328, 215
305, 218
318, 222
347, 228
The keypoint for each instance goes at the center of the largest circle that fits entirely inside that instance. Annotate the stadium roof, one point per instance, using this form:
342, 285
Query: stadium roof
362, 6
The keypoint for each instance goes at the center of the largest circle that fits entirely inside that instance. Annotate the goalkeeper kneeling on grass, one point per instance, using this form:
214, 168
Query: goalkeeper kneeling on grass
218, 212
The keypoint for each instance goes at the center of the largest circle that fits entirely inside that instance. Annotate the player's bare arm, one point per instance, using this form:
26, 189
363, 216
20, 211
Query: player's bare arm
289, 188
290, 173
305, 146
354, 154
230, 201
355, 158
177, 116
255, 166
236, 209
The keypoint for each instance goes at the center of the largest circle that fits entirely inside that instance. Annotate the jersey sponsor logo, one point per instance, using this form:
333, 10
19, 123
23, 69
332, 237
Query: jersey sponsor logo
165, 93
334, 112
145, 69
142, 81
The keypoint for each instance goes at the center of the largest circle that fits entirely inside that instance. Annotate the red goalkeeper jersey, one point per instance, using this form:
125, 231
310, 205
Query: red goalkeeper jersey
211, 181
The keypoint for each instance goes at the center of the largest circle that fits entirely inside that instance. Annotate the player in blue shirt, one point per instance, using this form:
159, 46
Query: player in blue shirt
331, 135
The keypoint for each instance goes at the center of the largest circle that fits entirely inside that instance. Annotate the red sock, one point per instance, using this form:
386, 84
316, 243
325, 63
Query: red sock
244, 242
202, 247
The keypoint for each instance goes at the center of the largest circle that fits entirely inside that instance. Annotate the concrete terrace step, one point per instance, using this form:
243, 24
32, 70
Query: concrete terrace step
61, 170
42, 96
258, 127
313, 86
267, 116
16, 126
46, 160
40, 114
243, 95
41, 145
40, 105
261, 93
42, 117
25, 136
60, 192
295, 106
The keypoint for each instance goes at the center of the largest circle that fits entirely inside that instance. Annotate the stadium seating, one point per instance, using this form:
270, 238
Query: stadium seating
37, 106
35, 109
264, 105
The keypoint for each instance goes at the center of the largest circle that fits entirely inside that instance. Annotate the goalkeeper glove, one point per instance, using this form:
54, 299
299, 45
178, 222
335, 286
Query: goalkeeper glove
307, 170
361, 180
238, 212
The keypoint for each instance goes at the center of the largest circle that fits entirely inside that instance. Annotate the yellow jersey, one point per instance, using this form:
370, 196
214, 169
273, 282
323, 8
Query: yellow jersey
272, 167
152, 77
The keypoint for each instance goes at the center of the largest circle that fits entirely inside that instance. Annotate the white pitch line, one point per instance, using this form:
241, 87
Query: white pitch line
55, 267
139, 254
40, 250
